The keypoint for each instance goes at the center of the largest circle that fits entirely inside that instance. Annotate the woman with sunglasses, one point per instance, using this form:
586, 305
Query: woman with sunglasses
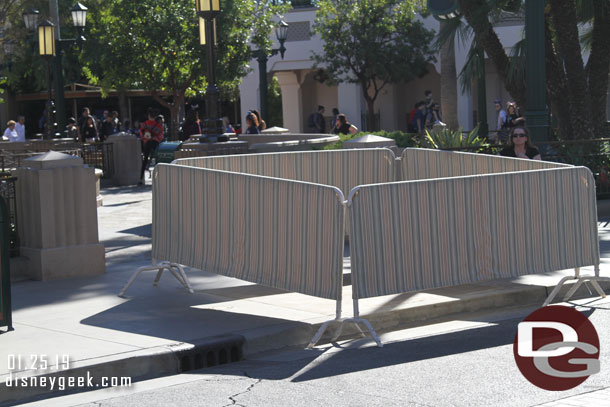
519, 145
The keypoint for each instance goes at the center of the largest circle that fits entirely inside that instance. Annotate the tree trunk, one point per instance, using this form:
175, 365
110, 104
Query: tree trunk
564, 18
598, 66
556, 87
123, 108
174, 111
475, 12
371, 125
448, 83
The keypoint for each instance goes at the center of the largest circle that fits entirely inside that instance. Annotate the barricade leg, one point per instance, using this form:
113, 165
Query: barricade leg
355, 320
580, 280
179, 275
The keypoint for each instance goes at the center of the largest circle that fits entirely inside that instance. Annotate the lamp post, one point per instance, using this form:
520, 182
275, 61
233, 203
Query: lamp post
208, 10
281, 33
79, 19
536, 113
46, 49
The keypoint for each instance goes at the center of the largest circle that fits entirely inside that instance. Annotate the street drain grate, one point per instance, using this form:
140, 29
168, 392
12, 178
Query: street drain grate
211, 353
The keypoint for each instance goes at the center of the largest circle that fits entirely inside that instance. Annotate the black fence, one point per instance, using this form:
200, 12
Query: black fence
9, 193
98, 155
366, 126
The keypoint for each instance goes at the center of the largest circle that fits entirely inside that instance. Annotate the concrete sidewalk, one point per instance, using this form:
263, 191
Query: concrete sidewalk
164, 330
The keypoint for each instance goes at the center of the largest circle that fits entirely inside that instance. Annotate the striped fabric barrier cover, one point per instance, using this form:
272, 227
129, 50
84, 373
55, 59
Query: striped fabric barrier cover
418, 235
343, 169
420, 163
269, 231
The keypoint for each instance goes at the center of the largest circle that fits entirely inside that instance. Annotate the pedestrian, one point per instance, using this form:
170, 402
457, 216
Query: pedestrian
342, 126
335, 114
519, 145
226, 123
10, 134
89, 133
108, 128
82, 123
191, 125
501, 133
419, 118
261, 123
126, 127
71, 129
251, 124
115, 119
316, 120
151, 135
161, 120
20, 127
513, 116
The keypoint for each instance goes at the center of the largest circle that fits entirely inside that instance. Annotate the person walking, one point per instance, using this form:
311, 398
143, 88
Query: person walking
82, 123
151, 135
342, 126
316, 121
262, 125
501, 133
251, 124
191, 125
519, 145
89, 133
10, 134
108, 128
20, 127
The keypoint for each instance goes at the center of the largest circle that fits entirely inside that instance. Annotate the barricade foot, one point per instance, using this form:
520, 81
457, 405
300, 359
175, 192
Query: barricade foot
337, 334
179, 275
580, 280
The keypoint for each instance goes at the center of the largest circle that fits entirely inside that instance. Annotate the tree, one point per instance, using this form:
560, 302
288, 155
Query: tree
156, 47
577, 92
372, 43
448, 80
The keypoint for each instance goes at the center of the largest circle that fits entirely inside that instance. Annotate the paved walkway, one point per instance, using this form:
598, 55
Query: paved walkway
143, 335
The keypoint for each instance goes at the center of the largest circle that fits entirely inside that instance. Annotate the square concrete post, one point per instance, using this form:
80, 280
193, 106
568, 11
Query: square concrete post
127, 158
56, 202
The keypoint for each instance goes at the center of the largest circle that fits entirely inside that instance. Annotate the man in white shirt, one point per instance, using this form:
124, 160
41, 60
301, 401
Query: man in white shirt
20, 128
501, 118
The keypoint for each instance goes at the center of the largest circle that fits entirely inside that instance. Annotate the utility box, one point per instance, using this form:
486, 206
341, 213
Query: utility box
58, 231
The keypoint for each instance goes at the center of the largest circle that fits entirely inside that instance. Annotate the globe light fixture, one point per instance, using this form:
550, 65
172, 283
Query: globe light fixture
30, 17
79, 15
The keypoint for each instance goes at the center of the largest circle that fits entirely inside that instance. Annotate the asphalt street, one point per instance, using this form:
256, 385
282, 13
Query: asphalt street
467, 362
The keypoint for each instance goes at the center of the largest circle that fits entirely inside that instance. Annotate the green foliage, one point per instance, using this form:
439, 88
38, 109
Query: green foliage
444, 138
265, 13
275, 116
402, 139
372, 42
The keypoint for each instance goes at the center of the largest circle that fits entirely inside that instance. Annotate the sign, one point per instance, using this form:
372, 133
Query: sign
556, 348
5, 275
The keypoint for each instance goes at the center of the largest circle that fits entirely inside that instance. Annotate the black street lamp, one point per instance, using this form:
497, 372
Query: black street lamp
208, 10
46, 49
79, 20
281, 33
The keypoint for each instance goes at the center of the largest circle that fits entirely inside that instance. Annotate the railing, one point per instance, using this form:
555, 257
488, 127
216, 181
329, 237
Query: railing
9, 194
99, 155
365, 125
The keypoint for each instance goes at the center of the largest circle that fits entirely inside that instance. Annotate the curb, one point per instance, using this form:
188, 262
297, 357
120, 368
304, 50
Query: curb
175, 359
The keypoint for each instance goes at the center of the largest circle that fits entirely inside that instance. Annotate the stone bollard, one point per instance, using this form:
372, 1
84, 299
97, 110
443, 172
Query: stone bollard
56, 202
127, 158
